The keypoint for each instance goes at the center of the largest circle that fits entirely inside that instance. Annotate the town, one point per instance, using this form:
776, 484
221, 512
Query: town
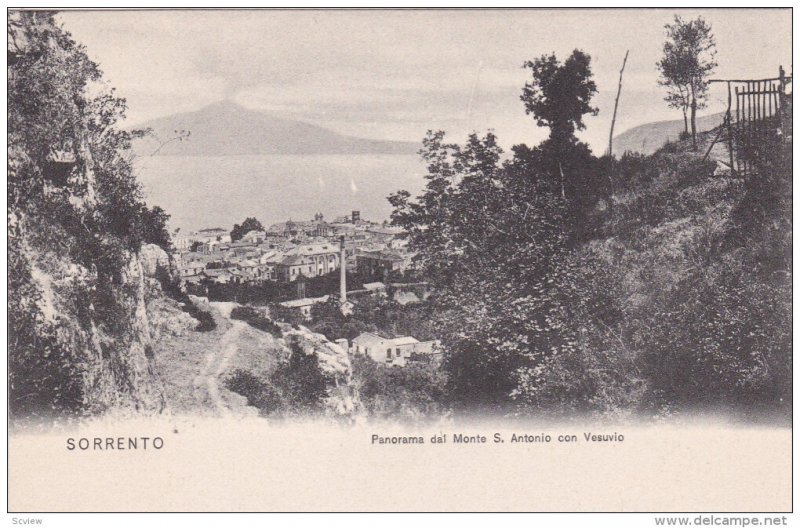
284, 262
292, 250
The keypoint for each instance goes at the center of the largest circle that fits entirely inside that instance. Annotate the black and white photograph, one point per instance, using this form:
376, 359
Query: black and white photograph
331, 256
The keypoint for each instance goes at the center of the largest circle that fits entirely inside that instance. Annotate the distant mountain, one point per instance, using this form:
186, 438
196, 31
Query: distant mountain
227, 129
648, 138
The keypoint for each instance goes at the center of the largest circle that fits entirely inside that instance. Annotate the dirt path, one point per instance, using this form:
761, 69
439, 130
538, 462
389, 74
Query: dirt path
216, 363
217, 360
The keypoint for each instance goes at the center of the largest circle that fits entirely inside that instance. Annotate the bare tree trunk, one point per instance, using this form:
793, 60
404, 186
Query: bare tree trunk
611, 144
685, 121
694, 117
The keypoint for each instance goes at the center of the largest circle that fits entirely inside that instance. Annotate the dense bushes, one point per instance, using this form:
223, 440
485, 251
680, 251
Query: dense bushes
679, 300
373, 313
259, 393
413, 392
296, 386
256, 319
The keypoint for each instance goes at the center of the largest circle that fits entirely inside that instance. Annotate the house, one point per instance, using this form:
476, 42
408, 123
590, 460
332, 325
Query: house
292, 266
326, 257
390, 351
266, 272
183, 242
384, 234
212, 236
254, 237
382, 262
191, 269
304, 305
219, 276
310, 260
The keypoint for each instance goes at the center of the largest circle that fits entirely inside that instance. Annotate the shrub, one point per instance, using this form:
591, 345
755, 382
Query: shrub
256, 319
291, 316
259, 393
302, 381
413, 392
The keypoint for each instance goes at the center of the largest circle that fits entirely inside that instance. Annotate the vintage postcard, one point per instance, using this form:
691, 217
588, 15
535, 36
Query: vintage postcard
400, 260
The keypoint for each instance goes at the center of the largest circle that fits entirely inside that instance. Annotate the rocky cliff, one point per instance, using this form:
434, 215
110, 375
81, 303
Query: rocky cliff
79, 333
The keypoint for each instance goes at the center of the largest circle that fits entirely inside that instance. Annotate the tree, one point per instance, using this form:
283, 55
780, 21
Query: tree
688, 61
559, 95
154, 227
489, 237
249, 224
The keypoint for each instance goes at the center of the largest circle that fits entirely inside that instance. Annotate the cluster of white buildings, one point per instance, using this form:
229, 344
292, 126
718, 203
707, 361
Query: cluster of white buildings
288, 250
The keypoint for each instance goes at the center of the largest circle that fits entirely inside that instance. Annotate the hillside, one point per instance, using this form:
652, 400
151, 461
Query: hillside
700, 266
648, 138
228, 129
82, 326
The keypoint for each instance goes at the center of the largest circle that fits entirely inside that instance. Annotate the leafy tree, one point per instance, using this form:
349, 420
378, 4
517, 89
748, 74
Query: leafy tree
687, 62
490, 237
249, 224
559, 96
154, 227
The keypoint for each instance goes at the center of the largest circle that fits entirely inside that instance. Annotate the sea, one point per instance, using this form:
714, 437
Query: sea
218, 191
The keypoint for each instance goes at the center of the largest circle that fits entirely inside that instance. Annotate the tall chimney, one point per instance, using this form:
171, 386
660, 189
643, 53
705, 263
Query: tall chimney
342, 272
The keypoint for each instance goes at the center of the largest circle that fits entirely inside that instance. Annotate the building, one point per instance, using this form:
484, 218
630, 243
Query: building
381, 263
290, 267
210, 237
310, 260
191, 269
384, 234
390, 351
254, 237
305, 304
219, 276
317, 227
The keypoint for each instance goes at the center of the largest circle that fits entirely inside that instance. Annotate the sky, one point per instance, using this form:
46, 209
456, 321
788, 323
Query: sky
395, 74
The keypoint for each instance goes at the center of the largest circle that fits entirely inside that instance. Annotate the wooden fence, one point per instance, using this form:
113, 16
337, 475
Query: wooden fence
756, 107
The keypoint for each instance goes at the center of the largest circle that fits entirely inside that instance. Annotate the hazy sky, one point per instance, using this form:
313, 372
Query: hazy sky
395, 74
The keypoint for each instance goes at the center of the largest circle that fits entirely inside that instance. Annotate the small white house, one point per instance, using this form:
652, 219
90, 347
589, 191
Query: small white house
305, 304
395, 351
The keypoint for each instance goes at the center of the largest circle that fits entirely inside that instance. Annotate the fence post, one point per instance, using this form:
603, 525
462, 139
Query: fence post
781, 95
730, 129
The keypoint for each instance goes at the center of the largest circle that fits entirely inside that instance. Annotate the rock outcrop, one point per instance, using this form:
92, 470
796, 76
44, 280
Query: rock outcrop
80, 338
333, 361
